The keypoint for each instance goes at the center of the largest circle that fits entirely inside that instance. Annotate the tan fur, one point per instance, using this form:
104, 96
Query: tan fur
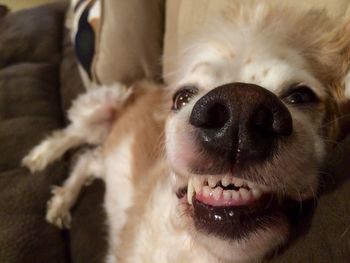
140, 118
265, 72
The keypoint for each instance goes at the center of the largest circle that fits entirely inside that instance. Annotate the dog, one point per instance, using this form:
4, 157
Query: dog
215, 166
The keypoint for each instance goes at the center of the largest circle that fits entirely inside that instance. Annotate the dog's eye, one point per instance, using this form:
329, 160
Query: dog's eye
182, 97
301, 95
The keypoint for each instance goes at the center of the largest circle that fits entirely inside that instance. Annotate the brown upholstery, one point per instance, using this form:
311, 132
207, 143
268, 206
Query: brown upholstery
30, 52
38, 80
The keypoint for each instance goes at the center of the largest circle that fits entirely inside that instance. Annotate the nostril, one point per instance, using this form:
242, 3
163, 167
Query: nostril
217, 116
210, 116
262, 121
266, 122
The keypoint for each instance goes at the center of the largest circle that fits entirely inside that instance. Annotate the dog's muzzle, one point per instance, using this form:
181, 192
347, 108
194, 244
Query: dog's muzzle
238, 129
241, 123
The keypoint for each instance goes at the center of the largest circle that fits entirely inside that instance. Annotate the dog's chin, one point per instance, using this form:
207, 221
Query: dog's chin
235, 219
250, 249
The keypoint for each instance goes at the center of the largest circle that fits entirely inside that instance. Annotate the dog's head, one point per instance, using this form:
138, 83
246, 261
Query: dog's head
255, 105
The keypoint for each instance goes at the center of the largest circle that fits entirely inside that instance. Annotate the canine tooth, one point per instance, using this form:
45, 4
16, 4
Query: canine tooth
217, 193
226, 180
256, 192
206, 191
190, 191
234, 194
227, 194
197, 182
212, 181
244, 193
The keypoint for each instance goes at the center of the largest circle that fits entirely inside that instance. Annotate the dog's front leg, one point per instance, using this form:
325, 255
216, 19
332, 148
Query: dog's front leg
52, 149
88, 166
91, 116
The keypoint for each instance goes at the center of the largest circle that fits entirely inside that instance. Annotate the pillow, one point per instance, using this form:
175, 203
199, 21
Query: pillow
130, 41
117, 40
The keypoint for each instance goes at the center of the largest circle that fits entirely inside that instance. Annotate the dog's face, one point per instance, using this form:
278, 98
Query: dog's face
253, 109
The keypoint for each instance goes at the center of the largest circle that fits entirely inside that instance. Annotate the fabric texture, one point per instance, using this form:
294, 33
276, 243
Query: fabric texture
38, 80
130, 41
29, 108
328, 238
87, 14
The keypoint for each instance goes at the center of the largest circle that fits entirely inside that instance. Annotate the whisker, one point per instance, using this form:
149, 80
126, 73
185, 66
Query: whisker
334, 120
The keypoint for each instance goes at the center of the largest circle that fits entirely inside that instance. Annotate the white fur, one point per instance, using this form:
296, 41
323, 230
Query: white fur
119, 190
91, 117
222, 57
51, 149
89, 166
161, 217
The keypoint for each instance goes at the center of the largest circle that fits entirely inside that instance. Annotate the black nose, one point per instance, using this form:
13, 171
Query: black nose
243, 122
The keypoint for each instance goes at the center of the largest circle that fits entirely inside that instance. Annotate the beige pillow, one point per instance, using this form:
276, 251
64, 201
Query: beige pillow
130, 41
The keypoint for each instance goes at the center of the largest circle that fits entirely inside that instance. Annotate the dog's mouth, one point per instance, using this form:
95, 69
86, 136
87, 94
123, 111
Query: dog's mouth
233, 208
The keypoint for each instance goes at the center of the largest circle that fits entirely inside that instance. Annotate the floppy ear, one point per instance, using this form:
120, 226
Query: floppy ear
334, 61
344, 105
341, 85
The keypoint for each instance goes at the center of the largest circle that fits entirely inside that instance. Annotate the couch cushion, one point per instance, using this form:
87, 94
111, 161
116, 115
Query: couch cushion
328, 239
88, 225
30, 51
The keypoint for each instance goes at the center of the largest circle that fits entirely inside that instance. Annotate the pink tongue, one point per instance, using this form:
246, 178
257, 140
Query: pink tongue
210, 200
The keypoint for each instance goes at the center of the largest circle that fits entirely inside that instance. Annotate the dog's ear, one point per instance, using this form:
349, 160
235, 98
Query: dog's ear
332, 60
344, 106
341, 83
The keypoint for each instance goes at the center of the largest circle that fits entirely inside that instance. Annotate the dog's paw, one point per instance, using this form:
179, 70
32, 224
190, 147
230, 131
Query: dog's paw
36, 160
58, 209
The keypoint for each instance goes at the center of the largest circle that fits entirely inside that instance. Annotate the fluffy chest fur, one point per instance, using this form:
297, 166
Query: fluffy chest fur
142, 209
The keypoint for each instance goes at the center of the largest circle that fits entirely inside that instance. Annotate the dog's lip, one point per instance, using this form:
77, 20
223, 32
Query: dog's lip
238, 222
236, 219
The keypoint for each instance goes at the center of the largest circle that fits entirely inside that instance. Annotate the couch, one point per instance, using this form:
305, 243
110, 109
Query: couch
38, 80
